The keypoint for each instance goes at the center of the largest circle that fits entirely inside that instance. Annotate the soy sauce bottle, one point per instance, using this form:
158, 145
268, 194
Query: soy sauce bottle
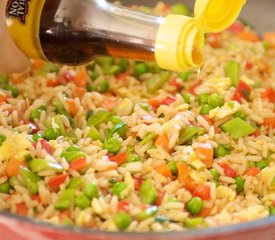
74, 32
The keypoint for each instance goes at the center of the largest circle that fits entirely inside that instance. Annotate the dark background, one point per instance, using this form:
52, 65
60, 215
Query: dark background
259, 13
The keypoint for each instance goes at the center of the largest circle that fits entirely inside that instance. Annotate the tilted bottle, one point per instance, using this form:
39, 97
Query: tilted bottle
73, 32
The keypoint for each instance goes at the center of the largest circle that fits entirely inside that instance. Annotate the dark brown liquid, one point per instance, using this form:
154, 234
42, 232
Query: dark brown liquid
63, 43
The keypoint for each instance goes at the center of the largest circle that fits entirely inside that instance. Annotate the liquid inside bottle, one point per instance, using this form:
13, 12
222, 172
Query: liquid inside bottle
75, 31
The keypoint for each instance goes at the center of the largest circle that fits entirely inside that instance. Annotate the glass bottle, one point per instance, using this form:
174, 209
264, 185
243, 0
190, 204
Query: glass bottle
73, 32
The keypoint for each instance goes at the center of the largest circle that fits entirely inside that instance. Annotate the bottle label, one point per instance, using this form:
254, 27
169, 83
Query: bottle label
18, 9
23, 21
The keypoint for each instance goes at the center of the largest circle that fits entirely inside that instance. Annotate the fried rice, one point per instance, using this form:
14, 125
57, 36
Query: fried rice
123, 145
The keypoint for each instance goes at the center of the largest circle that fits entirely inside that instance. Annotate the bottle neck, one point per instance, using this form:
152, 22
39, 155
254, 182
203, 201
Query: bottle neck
105, 29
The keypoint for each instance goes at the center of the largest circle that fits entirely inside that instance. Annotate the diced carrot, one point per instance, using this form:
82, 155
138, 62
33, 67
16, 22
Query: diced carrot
45, 145
78, 164
80, 91
248, 36
154, 102
269, 122
14, 166
236, 27
37, 64
122, 76
175, 83
249, 65
3, 99
36, 197
257, 133
269, 94
214, 40
72, 106
109, 103
55, 181
192, 89
229, 171
202, 191
205, 212
190, 184
21, 209
54, 82
138, 182
183, 171
119, 158
164, 170
158, 201
65, 214
163, 141
270, 38
123, 206
168, 101
81, 78
205, 152
253, 171
242, 91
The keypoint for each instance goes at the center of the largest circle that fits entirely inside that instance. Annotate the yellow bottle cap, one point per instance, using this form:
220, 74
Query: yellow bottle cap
217, 15
179, 43
180, 39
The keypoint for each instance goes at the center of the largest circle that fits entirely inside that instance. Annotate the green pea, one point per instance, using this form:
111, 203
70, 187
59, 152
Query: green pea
82, 202
112, 145
122, 221
147, 192
104, 61
91, 191
93, 75
187, 97
203, 99
2, 139
36, 113
193, 222
118, 188
184, 76
173, 167
149, 212
123, 63
94, 134
14, 91
262, 164
251, 164
28, 158
121, 129
36, 137
205, 109
51, 134
240, 114
215, 174
65, 200
272, 211
91, 88
103, 87
5, 187
75, 183
195, 205
140, 69
215, 100
160, 219
180, 9
132, 157
112, 70
240, 183
222, 150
